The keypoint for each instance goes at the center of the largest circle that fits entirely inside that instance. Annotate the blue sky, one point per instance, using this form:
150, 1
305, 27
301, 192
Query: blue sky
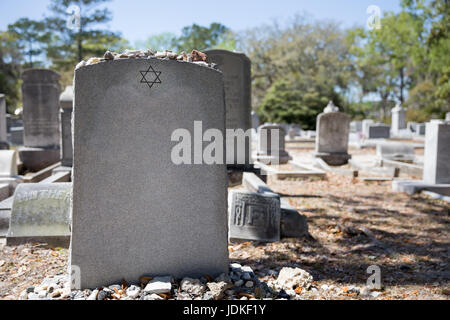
138, 19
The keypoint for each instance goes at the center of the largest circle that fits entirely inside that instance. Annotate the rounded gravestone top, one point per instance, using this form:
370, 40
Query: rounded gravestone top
66, 98
40, 76
227, 52
331, 108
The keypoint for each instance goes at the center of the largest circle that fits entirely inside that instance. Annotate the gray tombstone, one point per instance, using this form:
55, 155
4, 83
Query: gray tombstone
66, 102
236, 68
3, 124
379, 131
421, 129
398, 119
271, 144
16, 136
437, 153
135, 210
254, 216
40, 93
40, 213
365, 127
332, 136
447, 116
255, 120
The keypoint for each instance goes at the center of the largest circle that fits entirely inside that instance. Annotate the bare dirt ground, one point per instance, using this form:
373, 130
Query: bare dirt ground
353, 225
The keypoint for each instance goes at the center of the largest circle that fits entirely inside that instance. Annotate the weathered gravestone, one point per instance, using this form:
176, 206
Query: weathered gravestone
379, 131
447, 116
66, 102
236, 68
3, 124
398, 119
437, 153
271, 145
396, 152
254, 216
150, 215
40, 213
40, 93
332, 136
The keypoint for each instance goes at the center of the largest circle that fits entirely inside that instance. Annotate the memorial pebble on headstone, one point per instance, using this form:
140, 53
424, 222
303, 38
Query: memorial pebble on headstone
148, 214
40, 93
40, 213
236, 68
3, 124
254, 216
332, 136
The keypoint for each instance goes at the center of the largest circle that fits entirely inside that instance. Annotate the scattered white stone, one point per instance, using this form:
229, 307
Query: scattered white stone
218, 289
247, 269
192, 286
249, 284
155, 297
291, 293
93, 295
325, 287
375, 294
159, 285
133, 292
289, 278
365, 292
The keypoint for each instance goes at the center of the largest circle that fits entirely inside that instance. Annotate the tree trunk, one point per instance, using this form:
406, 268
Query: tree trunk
402, 84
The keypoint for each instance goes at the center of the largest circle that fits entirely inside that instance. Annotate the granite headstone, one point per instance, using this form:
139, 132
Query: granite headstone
150, 215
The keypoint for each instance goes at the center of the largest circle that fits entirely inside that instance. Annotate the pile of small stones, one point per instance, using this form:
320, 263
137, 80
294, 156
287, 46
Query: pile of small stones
241, 283
195, 56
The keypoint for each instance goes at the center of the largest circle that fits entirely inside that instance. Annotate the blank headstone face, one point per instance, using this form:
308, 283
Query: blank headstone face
379, 131
236, 68
40, 94
332, 132
134, 211
437, 153
254, 216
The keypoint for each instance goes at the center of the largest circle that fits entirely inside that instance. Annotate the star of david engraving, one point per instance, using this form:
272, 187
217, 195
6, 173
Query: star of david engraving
153, 74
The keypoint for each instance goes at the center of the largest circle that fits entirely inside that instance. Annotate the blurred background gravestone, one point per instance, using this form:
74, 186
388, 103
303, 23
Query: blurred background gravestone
40, 94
